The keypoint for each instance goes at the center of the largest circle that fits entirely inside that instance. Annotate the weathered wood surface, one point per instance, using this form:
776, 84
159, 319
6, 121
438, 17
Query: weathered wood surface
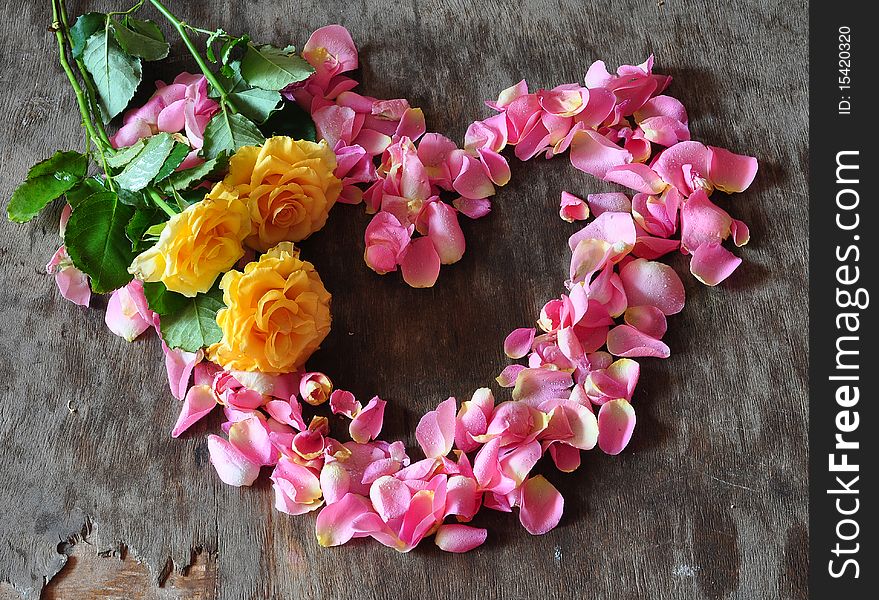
710, 499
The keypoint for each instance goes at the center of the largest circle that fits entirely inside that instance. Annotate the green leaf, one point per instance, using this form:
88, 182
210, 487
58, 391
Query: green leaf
229, 46
272, 68
178, 154
209, 44
116, 75
137, 227
46, 181
291, 121
255, 103
163, 301
87, 187
123, 156
184, 179
96, 241
146, 165
136, 199
141, 38
193, 326
85, 27
227, 132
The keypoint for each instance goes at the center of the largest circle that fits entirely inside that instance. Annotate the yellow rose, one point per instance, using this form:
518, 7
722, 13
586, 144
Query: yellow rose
197, 245
289, 188
277, 314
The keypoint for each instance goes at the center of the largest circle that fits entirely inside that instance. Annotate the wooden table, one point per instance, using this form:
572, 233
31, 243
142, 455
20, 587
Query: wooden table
709, 500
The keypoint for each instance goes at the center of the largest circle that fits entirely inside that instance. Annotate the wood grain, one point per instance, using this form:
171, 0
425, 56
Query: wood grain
710, 499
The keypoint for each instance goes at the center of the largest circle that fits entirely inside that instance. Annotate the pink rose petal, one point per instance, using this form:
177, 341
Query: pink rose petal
609, 202
420, 263
636, 176
518, 343
703, 222
445, 232
647, 319
335, 523
731, 172
250, 437
573, 208
200, 400
297, 489
654, 284
625, 340
367, 424
459, 538
233, 467
540, 505
436, 429
712, 263
593, 153
616, 421
390, 497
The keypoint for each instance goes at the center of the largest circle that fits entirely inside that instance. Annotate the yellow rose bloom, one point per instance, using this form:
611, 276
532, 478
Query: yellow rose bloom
197, 244
289, 188
277, 314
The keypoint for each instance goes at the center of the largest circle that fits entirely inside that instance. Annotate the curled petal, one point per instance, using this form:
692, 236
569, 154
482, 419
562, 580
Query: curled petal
411, 124
685, 166
508, 376
617, 380
386, 239
462, 497
459, 538
615, 228
638, 177
616, 421
540, 505
625, 340
518, 343
712, 263
496, 166
703, 222
123, 317
647, 319
315, 388
72, 283
474, 209
333, 44
334, 482
436, 430
662, 106
472, 180
665, 131
251, 438
593, 153
335, 523
731, 172
297, 489
368, 423
200, 400
573, 208
335, 124
233, 467
651, 248
343, 402
179, 365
